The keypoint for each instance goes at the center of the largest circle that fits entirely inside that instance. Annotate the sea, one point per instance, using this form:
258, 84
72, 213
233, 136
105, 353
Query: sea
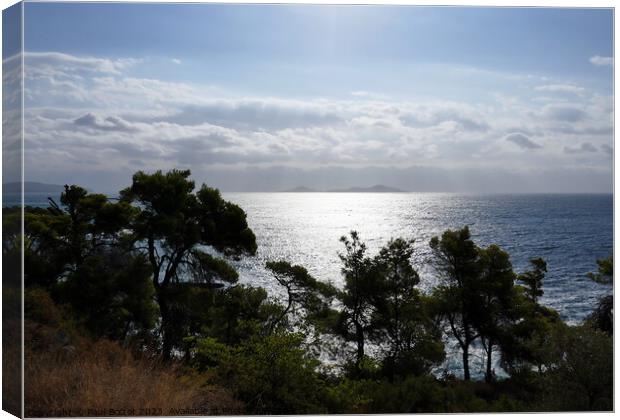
570, 231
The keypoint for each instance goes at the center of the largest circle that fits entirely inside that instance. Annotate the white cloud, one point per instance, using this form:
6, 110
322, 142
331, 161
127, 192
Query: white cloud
100, 119
368, 95
597, 60
42, 64
560, 88
176, 61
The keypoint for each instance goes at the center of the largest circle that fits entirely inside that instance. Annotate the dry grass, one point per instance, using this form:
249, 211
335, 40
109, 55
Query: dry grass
11, 350
11, 367
81, 378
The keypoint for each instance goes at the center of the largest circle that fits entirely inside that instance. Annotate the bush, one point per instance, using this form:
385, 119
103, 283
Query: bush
581, 375
272, 374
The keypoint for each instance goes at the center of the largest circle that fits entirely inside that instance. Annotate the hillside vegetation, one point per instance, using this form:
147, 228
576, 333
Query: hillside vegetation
133, 308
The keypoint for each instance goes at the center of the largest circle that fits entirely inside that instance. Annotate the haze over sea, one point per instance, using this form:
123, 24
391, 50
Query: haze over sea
570, 231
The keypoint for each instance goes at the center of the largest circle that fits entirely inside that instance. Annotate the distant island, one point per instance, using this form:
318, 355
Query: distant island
31, 187
373, 189
301, 189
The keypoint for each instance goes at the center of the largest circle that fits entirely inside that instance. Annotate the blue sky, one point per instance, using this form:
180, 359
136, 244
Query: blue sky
390, 93
224, 44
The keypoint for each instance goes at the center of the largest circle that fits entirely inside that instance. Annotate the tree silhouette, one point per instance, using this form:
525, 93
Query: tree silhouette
533, 279
457, 262
356, 316
303, 293
497, 308
603, 315
405, 326
173, 226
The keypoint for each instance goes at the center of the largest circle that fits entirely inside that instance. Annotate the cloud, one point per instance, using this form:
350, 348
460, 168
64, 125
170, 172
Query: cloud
176, 61
257, 114
104, 124
560, 88
582, 148
460, 116
522, 141
597, 60
607, 149
564, 112
364, 94
101, 118
47, 64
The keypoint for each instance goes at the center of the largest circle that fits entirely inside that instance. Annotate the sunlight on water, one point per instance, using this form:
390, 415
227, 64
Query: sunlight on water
569, 231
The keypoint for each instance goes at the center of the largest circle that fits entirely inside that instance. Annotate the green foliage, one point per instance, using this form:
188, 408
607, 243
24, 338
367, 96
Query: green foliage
416, 394
86, 223
456, 257
579, 375
172, 224
196, 310
111, 294
228, 315
480, 301
404, 324
496, 310
224, 224
350, 396
424, 395
457, 262
271, 375
305, 296
238, 313
602, 318
12, 239
533, 279
355, 320
528, 343
381, 305
76, 251
179, 219
605, 274
209, 353
58, 239
206, 268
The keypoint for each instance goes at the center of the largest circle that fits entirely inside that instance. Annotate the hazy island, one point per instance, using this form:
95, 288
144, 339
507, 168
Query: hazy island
374, 189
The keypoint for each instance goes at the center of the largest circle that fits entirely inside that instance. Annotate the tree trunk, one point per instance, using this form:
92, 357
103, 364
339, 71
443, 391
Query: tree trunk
489, 374
466, 375
166, 350
359, 336
467, 339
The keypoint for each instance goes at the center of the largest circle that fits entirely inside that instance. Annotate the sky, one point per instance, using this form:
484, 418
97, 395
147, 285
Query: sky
270, 97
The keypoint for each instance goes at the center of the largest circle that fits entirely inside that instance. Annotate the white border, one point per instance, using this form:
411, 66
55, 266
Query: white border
447, 3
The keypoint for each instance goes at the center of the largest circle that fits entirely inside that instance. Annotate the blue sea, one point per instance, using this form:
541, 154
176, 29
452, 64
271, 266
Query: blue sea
570, 231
